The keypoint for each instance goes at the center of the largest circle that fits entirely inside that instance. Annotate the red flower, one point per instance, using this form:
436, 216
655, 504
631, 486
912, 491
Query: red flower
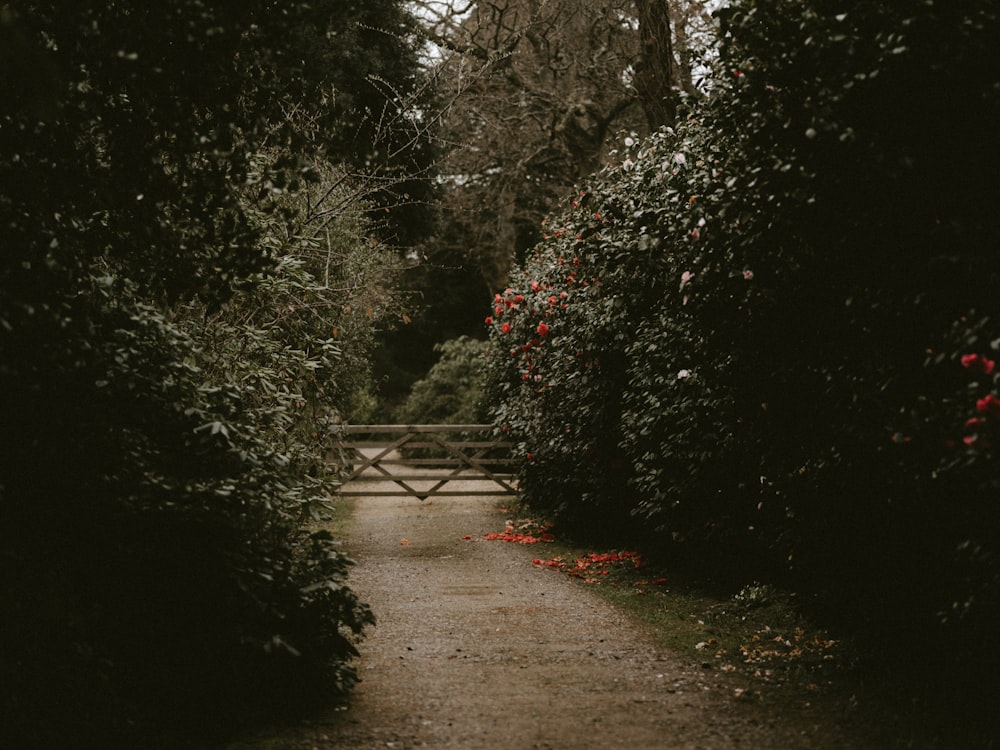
505, 328
977, 362
990, 406
542, 330
489, 320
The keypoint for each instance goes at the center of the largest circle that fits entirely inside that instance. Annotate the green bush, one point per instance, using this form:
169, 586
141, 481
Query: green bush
158, 556
452, 391
747, 338
182, 319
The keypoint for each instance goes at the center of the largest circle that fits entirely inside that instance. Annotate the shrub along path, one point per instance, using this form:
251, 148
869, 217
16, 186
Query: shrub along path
477, 648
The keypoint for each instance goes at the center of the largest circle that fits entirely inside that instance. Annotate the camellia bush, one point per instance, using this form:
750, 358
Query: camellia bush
766, 337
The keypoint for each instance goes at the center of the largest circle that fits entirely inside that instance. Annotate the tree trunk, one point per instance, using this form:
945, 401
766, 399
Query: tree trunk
654, 74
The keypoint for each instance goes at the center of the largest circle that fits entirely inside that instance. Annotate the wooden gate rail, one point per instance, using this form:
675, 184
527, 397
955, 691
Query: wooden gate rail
474, 460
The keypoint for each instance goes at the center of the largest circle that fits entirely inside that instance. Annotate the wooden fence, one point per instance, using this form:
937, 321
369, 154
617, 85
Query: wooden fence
420, 460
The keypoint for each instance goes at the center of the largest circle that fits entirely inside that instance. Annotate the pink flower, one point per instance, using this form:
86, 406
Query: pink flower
748, 274
542, 330
534, 286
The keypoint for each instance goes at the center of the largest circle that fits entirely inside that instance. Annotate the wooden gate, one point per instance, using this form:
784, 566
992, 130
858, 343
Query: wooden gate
420, 460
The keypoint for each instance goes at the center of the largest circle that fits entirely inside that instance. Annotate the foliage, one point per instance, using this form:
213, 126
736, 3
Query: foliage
563, 76
186, 307
767, 334
452, 392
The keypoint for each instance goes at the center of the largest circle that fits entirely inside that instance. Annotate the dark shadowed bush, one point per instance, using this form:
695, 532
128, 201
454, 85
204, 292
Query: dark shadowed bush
182, 319
767, 335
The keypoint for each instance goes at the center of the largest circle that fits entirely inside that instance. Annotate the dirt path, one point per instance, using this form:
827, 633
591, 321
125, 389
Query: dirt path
477, 648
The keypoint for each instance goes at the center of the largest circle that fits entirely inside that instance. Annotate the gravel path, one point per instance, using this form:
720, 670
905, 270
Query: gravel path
477, 648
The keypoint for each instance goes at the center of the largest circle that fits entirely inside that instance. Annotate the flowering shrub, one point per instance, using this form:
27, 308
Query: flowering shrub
556, 356
766, 332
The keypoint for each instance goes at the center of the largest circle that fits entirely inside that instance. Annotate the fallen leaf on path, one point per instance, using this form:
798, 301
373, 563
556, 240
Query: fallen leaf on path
507, 536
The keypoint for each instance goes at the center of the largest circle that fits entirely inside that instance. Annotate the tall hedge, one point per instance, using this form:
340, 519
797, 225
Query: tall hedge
182, 318
767, 335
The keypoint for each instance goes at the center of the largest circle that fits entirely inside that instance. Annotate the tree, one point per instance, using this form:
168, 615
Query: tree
539, 90
531, 94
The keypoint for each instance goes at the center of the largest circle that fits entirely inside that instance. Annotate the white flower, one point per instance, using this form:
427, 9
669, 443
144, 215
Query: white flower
683, 374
